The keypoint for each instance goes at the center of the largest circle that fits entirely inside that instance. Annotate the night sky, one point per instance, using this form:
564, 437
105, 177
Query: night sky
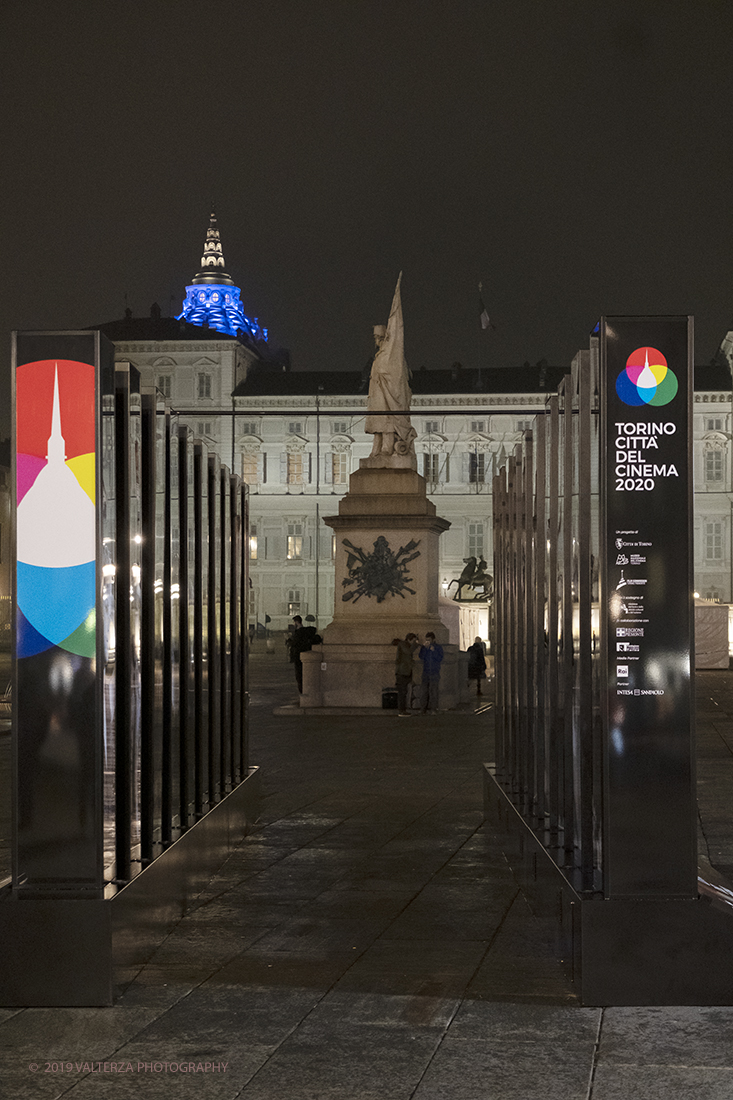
574, 156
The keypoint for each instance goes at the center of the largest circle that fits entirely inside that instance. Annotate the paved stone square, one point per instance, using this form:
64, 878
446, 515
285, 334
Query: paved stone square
368, 941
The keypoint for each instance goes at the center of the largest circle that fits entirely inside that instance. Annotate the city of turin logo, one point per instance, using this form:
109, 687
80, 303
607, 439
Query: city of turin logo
646, 380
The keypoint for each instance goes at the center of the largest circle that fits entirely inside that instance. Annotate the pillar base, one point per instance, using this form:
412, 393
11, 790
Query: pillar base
621, 951
356, 675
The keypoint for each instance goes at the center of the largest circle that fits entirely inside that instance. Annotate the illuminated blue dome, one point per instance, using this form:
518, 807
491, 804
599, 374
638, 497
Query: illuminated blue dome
213, 299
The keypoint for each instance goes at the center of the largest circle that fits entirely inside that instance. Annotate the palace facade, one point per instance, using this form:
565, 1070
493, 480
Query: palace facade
296, 436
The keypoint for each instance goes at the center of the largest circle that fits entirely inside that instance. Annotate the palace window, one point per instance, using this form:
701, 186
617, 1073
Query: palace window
253, 542
431, 467
475, 540
431, 427
203, 385
713, 423
163, 383
524, 425
714, 540
340, 427
294, 541
248, 427
295, 469
204, 427
340, 469
714, 465
476, 467
295, 427
249, 469
478, 425
293, 601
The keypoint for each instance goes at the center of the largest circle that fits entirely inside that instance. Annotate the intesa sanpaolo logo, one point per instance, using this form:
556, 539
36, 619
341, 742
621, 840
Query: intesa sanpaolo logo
646, 380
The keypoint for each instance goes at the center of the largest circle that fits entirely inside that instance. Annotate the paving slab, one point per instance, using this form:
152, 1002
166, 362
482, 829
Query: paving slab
667, 1036
526, 1023
473, 1069
153, 1083
426, 1008
354, 1063
661, 1082
70, 1035
402, 967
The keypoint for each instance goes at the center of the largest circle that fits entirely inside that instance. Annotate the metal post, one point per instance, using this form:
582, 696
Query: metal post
540, 610
568, 645
585, 656
123, 631
553, 656
200, 627
148, 769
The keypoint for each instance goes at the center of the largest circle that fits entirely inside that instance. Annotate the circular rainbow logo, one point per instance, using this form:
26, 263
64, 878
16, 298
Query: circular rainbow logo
646, 380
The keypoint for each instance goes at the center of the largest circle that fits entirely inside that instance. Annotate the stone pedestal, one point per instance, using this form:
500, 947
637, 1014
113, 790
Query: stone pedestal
352, 677
387, 535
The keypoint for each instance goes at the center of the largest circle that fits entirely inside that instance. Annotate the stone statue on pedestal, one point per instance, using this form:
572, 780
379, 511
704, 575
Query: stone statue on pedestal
386, 564
388, 403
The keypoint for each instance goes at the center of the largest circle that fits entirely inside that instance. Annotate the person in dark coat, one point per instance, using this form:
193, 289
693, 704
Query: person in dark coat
431, 655
302, 640
477, 663
403, 670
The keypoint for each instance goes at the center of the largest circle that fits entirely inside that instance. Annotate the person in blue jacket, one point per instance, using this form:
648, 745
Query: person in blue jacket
431, 655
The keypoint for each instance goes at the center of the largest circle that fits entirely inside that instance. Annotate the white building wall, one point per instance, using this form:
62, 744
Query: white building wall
460, 437
198, 378
453, 429
713, 489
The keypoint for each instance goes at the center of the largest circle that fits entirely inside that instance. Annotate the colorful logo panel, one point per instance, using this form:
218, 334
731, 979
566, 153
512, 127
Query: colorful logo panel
56, 520
646, 379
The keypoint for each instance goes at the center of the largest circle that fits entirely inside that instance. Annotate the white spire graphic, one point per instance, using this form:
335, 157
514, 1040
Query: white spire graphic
56, 518
56, 443
646, 379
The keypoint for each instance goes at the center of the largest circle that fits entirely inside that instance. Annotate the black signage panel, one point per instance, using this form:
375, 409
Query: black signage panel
647, 607
56, 640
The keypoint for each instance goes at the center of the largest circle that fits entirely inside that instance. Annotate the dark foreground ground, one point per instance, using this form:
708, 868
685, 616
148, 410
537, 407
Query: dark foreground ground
367, 941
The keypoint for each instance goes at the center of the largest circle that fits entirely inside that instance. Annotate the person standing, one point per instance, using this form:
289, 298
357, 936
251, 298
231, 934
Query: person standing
302, 640
431, 655
477, 663
297, 643
403, 670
